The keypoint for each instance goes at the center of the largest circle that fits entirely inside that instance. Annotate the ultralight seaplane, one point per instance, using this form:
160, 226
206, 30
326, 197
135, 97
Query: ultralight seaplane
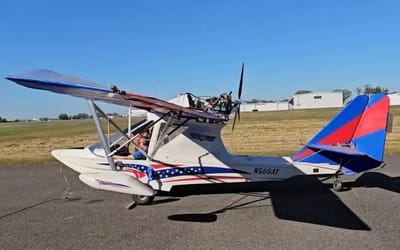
185, 145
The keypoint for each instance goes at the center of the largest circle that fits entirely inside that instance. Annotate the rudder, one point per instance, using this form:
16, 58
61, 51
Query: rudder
355, 138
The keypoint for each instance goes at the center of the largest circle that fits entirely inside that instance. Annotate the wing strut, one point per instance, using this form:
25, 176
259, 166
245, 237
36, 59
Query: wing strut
111, 121
93, 109
162, 134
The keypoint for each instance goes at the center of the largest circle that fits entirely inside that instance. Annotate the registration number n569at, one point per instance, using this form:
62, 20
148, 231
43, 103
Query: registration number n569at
266, 171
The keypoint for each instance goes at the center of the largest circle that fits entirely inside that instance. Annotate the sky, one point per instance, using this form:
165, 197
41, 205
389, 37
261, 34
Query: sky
163, 48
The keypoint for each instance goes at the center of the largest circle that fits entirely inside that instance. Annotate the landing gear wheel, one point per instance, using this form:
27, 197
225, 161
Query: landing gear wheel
142, 199
119, 165
337, 185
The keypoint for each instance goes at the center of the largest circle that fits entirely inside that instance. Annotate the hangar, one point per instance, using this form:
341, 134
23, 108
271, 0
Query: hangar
299, 101
394, 98
316, 100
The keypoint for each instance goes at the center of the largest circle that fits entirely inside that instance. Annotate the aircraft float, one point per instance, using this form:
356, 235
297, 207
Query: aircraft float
185, 146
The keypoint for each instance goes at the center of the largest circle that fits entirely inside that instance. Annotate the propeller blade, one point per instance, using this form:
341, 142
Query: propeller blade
238, 112
234, 121
237, 103
241, 83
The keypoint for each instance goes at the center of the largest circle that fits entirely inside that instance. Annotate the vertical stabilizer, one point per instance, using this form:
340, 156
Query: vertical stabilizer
339, 130
355, 138
370, 135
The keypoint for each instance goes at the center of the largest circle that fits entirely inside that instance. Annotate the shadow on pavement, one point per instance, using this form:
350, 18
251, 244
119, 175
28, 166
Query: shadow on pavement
304, 199
376, 180
212, 216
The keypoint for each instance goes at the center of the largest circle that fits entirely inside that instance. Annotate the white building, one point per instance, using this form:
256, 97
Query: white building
394, 98
316, 100
264, 106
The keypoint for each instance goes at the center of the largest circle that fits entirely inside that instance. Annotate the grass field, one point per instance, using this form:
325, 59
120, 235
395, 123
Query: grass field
258, 133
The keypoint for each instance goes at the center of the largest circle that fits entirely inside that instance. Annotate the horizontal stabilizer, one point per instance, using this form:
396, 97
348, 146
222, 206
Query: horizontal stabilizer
116, 182
336, 149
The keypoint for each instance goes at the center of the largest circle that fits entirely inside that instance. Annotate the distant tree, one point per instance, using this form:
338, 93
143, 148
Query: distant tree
301, 91
3, 119
80, 116
346, 94
253, 101
83, 116
63, 117
114, 114
377, 90
368, 89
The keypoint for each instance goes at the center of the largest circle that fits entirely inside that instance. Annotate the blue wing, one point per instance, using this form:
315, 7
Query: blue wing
70, 85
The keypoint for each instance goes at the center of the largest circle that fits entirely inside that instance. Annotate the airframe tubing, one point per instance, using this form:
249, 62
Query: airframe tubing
129, 119
110, 121
101, 134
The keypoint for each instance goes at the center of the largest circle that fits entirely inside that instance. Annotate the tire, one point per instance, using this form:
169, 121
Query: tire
337, 186
119, 165
142, 199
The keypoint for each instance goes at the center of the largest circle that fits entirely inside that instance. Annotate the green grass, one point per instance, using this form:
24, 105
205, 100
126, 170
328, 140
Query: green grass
28, 130
37, 129
32, 142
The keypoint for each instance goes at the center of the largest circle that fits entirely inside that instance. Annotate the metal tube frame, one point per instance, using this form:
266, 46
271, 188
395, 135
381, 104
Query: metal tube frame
93, 109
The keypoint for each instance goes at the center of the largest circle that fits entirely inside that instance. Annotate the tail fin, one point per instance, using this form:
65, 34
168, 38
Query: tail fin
355, 138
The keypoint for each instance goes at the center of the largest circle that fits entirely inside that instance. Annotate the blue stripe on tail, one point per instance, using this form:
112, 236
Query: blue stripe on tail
355, 138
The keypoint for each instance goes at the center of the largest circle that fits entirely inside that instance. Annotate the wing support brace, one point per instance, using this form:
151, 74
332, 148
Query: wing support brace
163, 133
94, 109
137, 132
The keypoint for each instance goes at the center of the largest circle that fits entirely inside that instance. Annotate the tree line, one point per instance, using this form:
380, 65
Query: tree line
347, 94
62, 116
80, 116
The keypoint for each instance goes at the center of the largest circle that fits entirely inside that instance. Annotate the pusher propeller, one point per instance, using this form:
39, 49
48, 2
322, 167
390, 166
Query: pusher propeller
238, 102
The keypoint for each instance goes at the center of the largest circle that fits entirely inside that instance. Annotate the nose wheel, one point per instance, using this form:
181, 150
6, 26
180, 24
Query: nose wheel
142, 199
337, 185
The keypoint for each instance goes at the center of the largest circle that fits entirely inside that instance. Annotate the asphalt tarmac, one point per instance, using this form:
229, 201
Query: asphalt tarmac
302, 213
